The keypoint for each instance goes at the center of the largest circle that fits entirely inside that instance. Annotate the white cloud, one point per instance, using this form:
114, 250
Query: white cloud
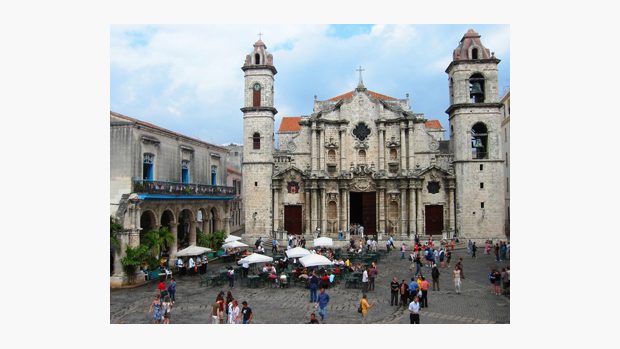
182, 76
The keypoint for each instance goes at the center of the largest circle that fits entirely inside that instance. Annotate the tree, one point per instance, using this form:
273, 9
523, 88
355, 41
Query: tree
134, 257
216, 239
158, 240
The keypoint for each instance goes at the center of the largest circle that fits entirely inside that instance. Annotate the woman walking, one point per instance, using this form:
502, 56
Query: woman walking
155, 308
165, 308
456, 276
235, 314
497, 279
228, 303
364, 307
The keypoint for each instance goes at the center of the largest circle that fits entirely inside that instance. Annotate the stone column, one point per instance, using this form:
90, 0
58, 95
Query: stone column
382, 218
313, 148
403, 210
412, 226
418, 224
322, 149
192, 232
307, 206
205, 223
342, 148
175, 245
123, 238
315, 210
382, 151
452, 220
323, 212
381, 147
410, 146
347, 209
403, 148
276, 208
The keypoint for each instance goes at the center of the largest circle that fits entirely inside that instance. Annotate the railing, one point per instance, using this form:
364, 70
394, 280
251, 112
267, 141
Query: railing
177, 188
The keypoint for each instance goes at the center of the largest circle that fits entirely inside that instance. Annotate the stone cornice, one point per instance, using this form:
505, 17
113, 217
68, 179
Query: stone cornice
259, 67
258, 109
472, 105
471, 61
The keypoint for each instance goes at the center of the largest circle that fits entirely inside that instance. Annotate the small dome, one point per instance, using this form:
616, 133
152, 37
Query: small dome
471, 48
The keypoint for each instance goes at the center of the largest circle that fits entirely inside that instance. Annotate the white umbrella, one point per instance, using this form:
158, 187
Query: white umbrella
232, 238
193, 250
323, 242
234, 244
255, 258
297, 252
313, 260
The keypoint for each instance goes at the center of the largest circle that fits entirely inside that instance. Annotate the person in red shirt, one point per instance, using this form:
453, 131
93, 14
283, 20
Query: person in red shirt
325, 281
162, 290
424, 285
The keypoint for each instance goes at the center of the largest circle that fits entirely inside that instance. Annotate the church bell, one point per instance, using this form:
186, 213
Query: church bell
476, 88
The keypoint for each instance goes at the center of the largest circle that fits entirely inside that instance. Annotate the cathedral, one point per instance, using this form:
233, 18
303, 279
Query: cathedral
365, 158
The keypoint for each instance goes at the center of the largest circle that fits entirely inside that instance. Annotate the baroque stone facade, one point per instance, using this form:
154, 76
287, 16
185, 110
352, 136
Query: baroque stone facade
367, 158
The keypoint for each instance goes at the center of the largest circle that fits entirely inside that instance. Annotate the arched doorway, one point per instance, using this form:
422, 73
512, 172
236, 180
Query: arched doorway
213, 220
167, 220
148, 222
185, 219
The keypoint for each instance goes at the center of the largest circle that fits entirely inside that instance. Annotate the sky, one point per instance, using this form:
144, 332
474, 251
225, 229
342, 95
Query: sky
188, 78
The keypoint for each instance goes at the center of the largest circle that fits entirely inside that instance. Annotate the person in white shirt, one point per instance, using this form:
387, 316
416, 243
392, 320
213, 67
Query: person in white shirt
414, 311
179, 263
191, 263
365, 281
246, 268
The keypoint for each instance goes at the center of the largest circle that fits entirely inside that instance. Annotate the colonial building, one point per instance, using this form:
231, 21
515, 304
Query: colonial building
367, 158
506, 143
163, 178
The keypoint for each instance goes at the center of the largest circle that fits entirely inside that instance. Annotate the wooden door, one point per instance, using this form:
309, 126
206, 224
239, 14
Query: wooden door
434, 219
292, 219
369, 210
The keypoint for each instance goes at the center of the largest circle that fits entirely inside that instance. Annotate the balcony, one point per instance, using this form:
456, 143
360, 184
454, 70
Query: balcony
143, 186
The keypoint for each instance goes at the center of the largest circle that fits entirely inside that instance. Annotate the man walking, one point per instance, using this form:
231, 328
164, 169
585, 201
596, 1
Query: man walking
365, 281
414, 311
314, 284
404, 293
473, 250
403, 248
435, 275
247, 313
172, 290
372, 274
323, 300
413, 289
274, 246
394, 288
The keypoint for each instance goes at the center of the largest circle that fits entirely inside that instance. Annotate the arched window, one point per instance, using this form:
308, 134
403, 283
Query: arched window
256, 140
257, 58
256, 95
479, 141
476, 88
451, 91
474, 53
147, 166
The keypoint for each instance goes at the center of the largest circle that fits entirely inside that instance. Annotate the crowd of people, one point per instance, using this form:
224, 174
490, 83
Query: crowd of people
426, 257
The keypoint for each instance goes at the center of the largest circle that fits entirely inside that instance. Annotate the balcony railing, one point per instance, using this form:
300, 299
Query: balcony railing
177, 188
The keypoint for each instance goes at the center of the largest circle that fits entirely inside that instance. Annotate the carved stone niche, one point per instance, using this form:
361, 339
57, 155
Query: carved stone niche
394, 196
332, 196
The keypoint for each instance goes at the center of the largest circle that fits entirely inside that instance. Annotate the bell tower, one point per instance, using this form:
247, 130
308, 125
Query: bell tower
258, 119
475, 125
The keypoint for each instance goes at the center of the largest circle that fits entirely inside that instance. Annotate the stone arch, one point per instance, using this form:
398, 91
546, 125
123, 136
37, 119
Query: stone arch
202, 217
185, 221
214, 219
167, 218
148, 222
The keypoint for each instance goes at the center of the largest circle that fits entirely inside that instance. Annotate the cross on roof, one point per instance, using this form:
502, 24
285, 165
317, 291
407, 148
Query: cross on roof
360, 70
259, 35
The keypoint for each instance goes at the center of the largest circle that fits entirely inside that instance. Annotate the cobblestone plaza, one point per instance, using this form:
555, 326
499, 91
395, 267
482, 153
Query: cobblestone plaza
476, 304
